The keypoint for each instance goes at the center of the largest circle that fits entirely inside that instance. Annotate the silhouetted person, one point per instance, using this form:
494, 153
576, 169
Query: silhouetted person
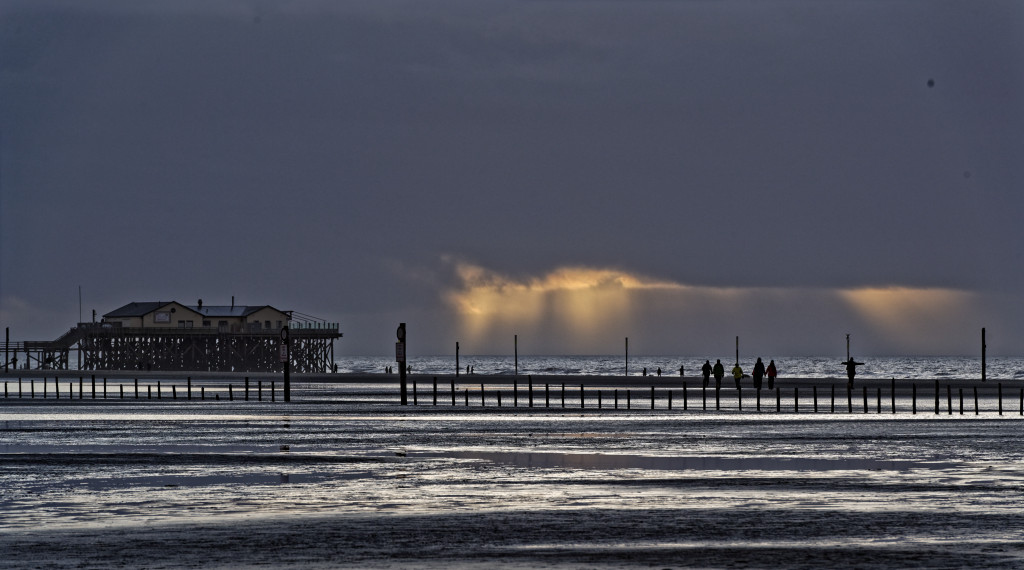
680, 371
851, 370
772, 373
758, 373
706, 371
659, 372
719, 371
737, 374
645, 371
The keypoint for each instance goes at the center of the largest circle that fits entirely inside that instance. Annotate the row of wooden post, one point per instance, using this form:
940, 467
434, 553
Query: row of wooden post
718, 399
149, 390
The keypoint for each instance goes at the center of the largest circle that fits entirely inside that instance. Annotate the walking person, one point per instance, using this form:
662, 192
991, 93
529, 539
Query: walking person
772, 373
706, 371
851, 370
719, 371
737, 374
758, 373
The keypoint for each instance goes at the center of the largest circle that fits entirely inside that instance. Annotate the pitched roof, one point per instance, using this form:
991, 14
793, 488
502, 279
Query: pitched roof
229, 311
137, 309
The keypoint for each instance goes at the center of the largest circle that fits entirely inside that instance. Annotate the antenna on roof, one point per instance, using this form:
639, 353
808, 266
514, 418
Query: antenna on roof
200, 304
232, 301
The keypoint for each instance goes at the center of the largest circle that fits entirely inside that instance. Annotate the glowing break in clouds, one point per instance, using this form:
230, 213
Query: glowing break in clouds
581, 310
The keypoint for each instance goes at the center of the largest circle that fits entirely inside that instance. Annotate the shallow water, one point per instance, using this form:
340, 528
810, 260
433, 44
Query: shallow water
323, 483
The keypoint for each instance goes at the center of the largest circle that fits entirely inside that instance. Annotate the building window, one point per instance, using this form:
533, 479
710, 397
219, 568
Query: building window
266, 324
279, 324
206, 324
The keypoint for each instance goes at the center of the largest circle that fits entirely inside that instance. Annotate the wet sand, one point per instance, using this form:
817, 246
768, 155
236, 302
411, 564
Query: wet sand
344, 477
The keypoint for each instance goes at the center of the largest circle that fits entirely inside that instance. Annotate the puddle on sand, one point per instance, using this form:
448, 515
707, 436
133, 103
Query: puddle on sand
683, 463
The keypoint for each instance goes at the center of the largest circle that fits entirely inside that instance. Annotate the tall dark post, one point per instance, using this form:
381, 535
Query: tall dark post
516, 341
983, 354
457, 359
7, 347
627, 356
400, 359
286, 355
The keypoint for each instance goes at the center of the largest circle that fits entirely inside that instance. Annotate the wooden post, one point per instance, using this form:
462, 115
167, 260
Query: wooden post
685, 403
833, 408
515, 393
796, 400
976, 400
121, 387
202, 393
670, 399
529, 379
1022, 401
259, 390
913, 400
231, 393
79, 387
499, 398
814, 391
435, 390
246, 388
627, 357
936, 397
414, 400
189, 387
616, 398
149, 392
136, 388
949, 400
174, 392
547, 396
1000, 385
849, 398
453, 391
483, 402
758, 400
718, 395
739, 399
893, 395
104, 388
466, 390
159, 392
983, 366
599, 399
865, 390
516, 343
961, 401
563, 394
652, 397
704, 397
32, 385
581, 396
93, 386
878, 402
629, 399
273, 392
457, 365
778, 399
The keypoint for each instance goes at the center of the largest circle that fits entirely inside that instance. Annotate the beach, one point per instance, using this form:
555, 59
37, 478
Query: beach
343, 476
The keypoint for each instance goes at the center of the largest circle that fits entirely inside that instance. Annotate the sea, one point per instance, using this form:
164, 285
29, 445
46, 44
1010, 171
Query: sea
897, 367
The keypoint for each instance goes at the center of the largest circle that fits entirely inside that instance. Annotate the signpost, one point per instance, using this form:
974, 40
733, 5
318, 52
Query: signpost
400, 359
286, 358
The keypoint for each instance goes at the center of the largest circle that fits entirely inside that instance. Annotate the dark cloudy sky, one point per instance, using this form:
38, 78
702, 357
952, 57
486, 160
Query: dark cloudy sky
678, 172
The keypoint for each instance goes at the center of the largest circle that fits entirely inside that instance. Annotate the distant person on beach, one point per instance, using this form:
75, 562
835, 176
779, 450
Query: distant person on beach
772, 373
758, 373
706, 371
645, 371
719, 371
851, 370
659, 372
737, 374
680, 371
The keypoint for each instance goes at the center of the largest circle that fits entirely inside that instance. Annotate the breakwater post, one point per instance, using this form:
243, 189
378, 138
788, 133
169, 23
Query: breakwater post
975, 400
833, 408
936, 397
435, 390
796, 400
893, 395
246, 388
529, 378
685, 403
983, 354
778, 400
865, 390
814, 390
1000, 385
453, 391
949, 401
878, 404
189, 381
652, 399
961, 390
913, 400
